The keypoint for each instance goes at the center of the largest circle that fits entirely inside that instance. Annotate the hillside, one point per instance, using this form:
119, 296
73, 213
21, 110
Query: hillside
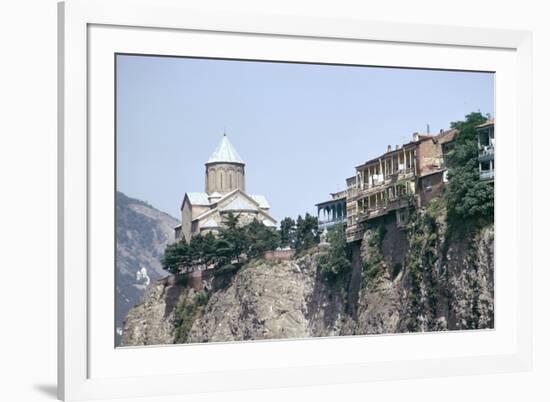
418, 278
142, 234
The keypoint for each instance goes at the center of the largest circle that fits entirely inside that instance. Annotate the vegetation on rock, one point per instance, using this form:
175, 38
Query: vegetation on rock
142, 233
186, 314
373, 265
336, 263
237, 244
470, 201
439, 276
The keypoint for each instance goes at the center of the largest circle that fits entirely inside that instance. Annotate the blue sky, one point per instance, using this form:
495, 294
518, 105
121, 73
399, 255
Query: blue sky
300, 128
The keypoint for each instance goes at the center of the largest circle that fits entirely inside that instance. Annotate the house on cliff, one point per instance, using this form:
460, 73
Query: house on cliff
388, 186
486, 145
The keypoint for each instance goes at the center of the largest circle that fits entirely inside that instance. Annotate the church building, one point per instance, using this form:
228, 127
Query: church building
224, 193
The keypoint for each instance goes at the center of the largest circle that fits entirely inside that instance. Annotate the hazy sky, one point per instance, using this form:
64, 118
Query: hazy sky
300, 128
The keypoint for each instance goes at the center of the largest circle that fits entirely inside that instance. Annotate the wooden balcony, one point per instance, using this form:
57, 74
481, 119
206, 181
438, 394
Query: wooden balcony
354, 233
354, 193
390, 205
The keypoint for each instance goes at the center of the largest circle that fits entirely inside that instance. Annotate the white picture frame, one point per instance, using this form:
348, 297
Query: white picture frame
90, 31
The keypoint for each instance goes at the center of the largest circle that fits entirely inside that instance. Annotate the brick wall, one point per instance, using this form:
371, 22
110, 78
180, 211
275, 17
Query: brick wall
279, 254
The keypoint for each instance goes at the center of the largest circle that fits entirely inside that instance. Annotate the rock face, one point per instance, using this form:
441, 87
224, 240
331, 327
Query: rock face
418, 278
152, 322
264, 300
142, 234
442, 281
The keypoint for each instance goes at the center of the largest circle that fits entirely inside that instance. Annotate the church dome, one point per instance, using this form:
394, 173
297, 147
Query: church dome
225, 153
224, 169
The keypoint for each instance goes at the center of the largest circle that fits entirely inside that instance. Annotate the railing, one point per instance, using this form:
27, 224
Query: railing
487, 152
388, 179
332, 222
354, 233
336, 220
487, 175
390, 205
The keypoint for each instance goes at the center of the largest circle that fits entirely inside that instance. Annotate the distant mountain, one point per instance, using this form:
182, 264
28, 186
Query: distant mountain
142, 233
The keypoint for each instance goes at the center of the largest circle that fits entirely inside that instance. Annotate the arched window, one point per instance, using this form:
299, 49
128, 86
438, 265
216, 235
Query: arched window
230, 180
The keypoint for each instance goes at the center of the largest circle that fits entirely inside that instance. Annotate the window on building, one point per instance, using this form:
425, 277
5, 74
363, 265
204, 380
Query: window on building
484, 138
485, 166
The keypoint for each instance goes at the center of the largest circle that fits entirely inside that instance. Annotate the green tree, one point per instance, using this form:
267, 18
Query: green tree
337, 262
259, 239
307, 232
176, 257
231, 221
234, 235
470, 201
196, 250
209, 248
224, 253
287, 232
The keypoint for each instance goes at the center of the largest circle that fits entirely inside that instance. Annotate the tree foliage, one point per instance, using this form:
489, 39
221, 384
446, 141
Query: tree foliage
337, 262
176, 255
287, 232
237, 243
259, 239
470, 201
234, 236
307, 232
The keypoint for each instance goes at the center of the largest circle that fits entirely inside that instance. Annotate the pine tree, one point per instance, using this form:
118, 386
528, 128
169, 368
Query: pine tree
176, 257
259, 239
307, 232
287, 232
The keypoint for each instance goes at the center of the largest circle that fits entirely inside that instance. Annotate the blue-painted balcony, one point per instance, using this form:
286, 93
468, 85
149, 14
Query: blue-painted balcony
327, 224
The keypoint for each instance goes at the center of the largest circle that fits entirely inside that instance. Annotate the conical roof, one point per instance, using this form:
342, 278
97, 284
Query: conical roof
225, 153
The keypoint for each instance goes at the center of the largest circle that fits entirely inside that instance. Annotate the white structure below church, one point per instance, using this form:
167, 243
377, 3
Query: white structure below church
204, 212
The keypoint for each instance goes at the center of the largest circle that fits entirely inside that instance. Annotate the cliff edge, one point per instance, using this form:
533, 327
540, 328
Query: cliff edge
417, 278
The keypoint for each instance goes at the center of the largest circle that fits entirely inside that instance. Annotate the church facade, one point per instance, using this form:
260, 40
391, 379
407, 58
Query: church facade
225, 193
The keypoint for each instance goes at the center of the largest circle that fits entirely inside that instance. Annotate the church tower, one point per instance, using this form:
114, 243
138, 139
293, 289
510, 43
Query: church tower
224, 170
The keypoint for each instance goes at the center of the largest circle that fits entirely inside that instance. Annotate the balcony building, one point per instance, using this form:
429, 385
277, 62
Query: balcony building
390, 185
333, 211
486, 145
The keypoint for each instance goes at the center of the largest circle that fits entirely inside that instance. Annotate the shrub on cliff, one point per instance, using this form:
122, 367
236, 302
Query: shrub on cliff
470, 201
373, 266
337, 262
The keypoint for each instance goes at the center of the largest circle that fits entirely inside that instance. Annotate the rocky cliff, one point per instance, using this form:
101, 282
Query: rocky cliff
438, 280
142, 233
416, 278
